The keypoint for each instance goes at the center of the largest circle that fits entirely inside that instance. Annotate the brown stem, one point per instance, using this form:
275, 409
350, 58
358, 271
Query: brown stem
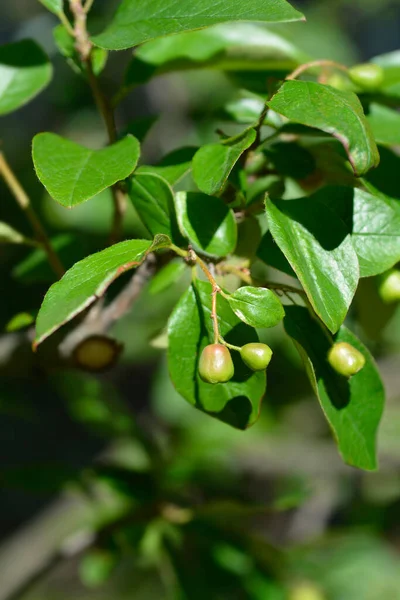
84, 47
313, 64
25, 204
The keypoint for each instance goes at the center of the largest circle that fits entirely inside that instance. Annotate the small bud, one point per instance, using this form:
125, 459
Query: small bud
389, 286
345, 359
368, 76
256, 356
96, 353
215, 365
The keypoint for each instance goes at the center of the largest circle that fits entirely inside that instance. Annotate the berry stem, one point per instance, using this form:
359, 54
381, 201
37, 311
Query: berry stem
316, 63
230, 346
214, 315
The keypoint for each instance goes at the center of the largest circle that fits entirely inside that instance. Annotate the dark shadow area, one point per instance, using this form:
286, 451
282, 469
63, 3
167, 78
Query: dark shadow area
206, 215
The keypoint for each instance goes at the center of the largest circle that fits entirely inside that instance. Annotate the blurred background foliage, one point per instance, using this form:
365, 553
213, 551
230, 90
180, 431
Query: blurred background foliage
171, 503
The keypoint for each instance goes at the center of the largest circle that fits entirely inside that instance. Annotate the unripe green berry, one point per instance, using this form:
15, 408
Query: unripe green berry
215, 365
367, 76
389, 287
340, 82
345, 359
256, 356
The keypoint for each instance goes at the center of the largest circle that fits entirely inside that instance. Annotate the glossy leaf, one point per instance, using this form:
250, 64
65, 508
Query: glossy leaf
318, 247
208, 223
153, 199
258, 307
213, 163
174, 166
88, 280
24, 71
333, 111
137, 21
73, 174
373, 220
228, 46
54, 6
353, 407
269, 252
385, 124
190, 330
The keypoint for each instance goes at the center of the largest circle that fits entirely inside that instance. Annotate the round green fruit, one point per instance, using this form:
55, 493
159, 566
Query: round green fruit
215, 365
367, 76
345, 359
340, 82
389, 287
256, 356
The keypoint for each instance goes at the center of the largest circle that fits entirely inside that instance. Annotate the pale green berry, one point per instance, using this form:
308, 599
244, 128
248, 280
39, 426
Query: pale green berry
345, 359
256, 356
368, 76
389, 286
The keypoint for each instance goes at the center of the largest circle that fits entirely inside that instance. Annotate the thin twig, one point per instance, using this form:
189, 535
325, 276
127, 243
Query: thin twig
88, 5
25, 204
84, 47
64, 20
313, 64
99, 319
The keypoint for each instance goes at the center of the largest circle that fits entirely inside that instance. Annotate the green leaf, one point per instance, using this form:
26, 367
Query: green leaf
153, 199
35, 267
228, 46
54, 6
257, 307
20, 321
213, 163
137, 21
373, 220
174, 166
190, 330
167, 276
66, 45
73, 174
352, 407
9, 235
88, 280
270, 253
24, 71
333, 111
318, 247
291, 160
385, 124
208, 223
96, 567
